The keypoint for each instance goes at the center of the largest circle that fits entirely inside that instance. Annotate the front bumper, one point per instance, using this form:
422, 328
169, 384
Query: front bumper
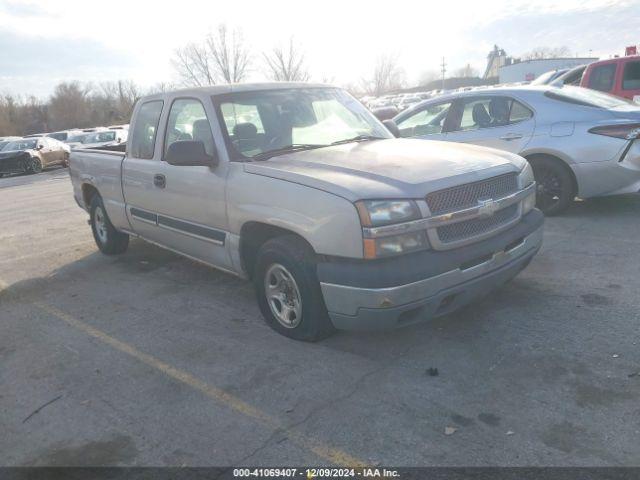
450, 280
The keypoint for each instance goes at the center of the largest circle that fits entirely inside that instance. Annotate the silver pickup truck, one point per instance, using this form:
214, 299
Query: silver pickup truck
300, 189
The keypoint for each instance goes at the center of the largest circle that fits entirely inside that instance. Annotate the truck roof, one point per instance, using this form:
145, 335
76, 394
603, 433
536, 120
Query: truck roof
237, 87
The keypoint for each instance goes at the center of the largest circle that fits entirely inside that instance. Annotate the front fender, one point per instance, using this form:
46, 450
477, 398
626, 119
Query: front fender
328, 222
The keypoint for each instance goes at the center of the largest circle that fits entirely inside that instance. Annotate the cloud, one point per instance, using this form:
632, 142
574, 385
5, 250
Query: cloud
603, 29
27, 58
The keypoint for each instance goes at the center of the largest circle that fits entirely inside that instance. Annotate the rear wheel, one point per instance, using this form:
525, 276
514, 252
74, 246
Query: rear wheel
109, 240
65, 160
555, 186
288, 290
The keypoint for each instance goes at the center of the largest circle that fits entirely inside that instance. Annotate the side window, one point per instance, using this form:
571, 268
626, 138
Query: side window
490, 112
519, 112
631, 76
602, 77
428, 121
143, 138
188, 121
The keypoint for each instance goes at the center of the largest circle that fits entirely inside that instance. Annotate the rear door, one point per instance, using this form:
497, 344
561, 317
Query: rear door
48, 152
496, 121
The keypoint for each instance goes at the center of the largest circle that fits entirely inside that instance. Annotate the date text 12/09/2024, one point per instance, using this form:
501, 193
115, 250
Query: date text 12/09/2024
318, 473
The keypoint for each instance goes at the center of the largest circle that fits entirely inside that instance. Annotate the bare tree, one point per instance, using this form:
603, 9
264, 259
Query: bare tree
69, 106
286, 65
222, 57
547, 52
387, 76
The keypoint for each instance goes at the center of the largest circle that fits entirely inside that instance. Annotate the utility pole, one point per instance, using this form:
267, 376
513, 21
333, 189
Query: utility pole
444, 70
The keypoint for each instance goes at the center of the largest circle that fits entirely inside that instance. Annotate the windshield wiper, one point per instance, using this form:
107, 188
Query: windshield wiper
294, 147
357, 138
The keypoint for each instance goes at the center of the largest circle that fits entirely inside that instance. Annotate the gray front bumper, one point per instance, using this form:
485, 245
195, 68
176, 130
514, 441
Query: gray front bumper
354, 308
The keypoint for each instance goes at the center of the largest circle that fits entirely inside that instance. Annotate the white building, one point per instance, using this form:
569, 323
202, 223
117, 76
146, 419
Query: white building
527, 70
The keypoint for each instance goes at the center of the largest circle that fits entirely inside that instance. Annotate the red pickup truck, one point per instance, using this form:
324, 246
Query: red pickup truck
617, 76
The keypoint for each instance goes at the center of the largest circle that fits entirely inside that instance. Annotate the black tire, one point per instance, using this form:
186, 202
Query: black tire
35, 166
555, 185
109, 240
65, 160
298, 260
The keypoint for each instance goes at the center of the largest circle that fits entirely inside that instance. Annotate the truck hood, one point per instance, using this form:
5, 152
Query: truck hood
393, 168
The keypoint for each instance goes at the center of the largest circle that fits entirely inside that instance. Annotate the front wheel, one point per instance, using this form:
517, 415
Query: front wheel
65, 160
109, 240
288, 290
555, 186
36, 165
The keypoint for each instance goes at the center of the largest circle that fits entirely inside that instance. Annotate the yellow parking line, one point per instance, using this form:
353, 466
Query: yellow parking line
323, 451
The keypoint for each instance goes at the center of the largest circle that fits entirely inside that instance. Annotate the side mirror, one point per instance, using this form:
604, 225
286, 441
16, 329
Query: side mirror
40, 147
189, 153
118, 139
392, 127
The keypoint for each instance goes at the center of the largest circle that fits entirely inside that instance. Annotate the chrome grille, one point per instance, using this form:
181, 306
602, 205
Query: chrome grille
467, 195
477, 226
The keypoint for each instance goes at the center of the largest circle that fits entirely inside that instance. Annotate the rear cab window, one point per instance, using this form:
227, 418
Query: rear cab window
143, 138
602, 77
631, 76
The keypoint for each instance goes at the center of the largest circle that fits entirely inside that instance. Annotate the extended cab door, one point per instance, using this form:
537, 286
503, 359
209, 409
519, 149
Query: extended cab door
494, 121
180, 207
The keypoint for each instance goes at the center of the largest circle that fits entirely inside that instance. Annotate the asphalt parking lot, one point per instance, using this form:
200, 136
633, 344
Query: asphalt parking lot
152, 359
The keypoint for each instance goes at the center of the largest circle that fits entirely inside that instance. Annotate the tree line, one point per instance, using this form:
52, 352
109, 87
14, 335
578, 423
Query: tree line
71, 105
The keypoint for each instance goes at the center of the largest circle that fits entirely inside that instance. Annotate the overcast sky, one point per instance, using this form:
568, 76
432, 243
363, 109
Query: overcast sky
44, 42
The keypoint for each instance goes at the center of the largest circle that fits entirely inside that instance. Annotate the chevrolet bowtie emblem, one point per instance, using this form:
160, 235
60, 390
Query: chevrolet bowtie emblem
487, 207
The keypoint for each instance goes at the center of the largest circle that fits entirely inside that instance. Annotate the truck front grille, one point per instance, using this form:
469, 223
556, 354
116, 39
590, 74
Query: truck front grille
467, 195
456, 232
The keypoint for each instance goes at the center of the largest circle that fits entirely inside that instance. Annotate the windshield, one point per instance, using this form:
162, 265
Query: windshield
265, 121
21, 145
3, 144
587, 97
109, 136
76, 138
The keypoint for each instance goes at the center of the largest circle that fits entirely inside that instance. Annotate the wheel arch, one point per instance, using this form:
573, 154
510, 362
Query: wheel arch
533, 156
88, 192
254, 234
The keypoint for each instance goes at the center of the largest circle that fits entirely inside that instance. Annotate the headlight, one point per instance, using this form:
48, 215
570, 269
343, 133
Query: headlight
525, 179
376, 213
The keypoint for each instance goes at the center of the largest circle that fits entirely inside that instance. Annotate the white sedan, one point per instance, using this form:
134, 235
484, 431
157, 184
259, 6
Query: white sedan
580, 142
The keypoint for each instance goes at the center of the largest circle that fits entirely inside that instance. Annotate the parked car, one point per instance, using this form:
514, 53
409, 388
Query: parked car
31, 155
63, 135
572, 76
103, 138
408, 101
385, 113
338, 224
8, 139
34, 135
578, 141
548, 78
617, 76
119, 127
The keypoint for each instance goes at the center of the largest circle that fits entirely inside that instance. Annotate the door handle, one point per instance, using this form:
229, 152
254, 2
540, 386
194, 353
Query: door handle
512, 136
159, 180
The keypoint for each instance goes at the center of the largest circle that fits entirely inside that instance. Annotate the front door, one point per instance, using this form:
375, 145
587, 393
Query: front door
427, 122
180, 207
492, 121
